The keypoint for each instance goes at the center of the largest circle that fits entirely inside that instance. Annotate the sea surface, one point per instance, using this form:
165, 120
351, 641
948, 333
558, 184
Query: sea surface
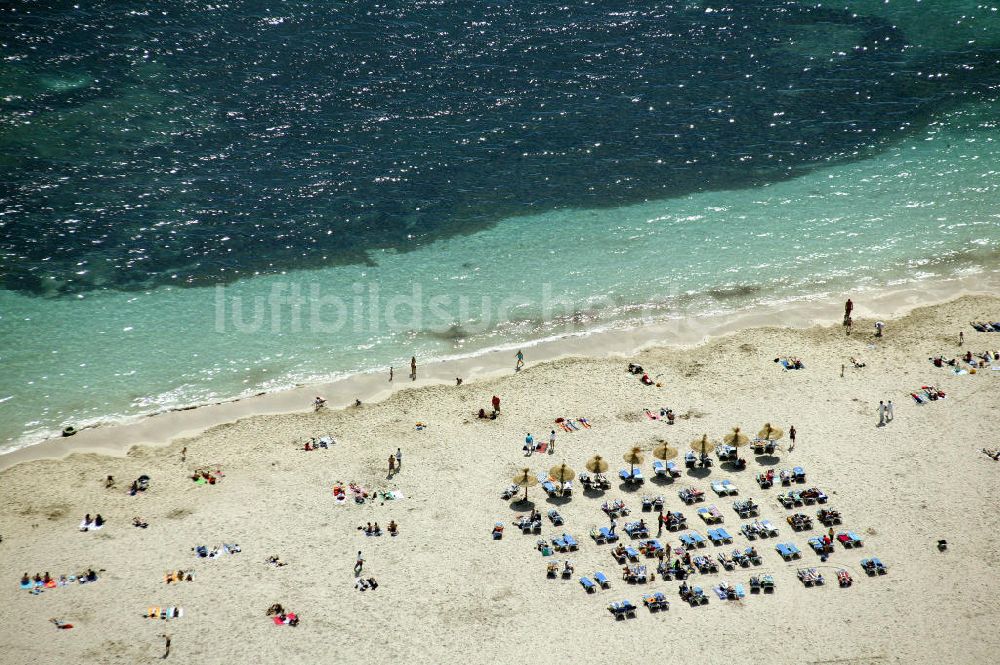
202, 200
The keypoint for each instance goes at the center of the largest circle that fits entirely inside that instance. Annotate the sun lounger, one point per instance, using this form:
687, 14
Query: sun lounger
850, 539
788, 551
550, 488
719, 488
556, 518
598, 536
571, 543
637, 530
690, 459
695, 596
746, 508
691, 495
816, 543
622, 609
844, 578
632, 553
602, 580
608, 536
673, 470
588, 585
765, 480
719, 536
810, 576
874, 566
692, 539
636, 574
659, 468
710, 515
560, 545
799, 474
655, 601
510, 492
675, 520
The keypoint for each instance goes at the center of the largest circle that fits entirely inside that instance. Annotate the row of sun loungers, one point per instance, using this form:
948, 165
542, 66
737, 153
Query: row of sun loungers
724, 488
615, 508
652, 503
759, 529
727, 591
603, 535
633, 476
746, 508
597, 481
635, 574
637, 529
710, 515
552, 569
804, 497
528, 525
828, 517
691, 495
799, 522
762, 583
622, 609
666, 470
691, 460
788, 551
600, 581
693, 595
873, 566
674, 521
810, 576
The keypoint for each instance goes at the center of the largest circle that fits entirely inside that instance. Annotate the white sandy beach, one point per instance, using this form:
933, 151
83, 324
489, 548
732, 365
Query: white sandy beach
449, 593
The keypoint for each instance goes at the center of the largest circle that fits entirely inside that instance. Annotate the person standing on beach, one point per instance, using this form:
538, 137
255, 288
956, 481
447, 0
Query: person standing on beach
614, 525
552, 442
961, 337
413, 368
888, 411
520, 360
399, 459
848, 308
390, 373
496, 404
392, 465
881, 413
359, 564
529, 443
659, 522
879, 325
791, 436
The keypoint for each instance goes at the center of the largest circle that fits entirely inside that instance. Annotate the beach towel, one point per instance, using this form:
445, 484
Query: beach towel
651, 415
541, 447
85, 527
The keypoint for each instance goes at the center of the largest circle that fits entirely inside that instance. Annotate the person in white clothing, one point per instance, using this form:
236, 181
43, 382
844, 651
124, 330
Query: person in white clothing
552, 442
881, 413
888, 411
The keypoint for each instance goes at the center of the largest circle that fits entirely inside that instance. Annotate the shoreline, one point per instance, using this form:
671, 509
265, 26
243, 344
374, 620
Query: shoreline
162, 428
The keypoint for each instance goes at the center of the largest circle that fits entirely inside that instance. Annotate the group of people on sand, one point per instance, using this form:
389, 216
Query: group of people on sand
375, 530
641, 373
49, 582
492, 415
980, 360
88, 523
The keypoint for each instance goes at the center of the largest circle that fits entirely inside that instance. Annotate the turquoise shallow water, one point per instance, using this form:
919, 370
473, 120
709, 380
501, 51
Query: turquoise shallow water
923, 209
202, 201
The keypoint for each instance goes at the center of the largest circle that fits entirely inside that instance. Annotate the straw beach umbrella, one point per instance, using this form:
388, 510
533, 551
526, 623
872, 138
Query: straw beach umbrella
525, 479
770, 433
562, 473
736, 438
664, 451
634, 457
597, 464
702, 445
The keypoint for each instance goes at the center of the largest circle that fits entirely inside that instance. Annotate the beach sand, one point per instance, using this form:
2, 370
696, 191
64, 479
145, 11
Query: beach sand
449, 593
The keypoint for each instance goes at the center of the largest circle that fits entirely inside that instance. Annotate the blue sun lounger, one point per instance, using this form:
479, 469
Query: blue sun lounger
788, 551
588, 585
608, 536
659, 468
719, 536
799, 474
673, 470
632, 553
570, 541
602, 579
817, 544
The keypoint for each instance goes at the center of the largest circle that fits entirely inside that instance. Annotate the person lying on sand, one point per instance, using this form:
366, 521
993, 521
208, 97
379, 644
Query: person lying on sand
275, 561
856, 362
137, 522
991, 453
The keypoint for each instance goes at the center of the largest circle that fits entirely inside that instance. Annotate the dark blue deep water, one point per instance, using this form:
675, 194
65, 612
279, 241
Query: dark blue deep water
190, 142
